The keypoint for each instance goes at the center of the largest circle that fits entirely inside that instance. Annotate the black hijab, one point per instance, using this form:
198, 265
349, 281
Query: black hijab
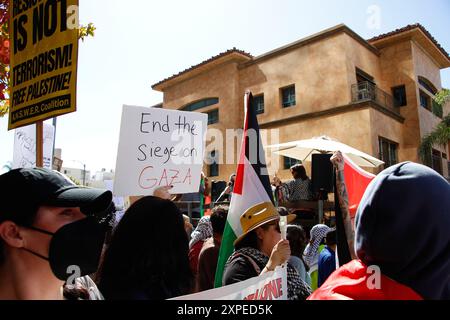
403, 226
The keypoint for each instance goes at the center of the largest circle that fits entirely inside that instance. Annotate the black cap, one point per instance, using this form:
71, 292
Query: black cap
23, 191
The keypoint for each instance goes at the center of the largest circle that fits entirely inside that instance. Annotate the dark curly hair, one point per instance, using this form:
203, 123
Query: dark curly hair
147, 258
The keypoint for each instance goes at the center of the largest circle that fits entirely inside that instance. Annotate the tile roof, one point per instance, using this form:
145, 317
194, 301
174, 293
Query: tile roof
220, 55
408, 28
339, 27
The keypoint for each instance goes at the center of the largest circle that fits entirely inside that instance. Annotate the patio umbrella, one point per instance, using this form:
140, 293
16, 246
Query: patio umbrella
303, 149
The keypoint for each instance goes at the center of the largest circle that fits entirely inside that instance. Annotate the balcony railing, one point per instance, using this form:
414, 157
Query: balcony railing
367, 91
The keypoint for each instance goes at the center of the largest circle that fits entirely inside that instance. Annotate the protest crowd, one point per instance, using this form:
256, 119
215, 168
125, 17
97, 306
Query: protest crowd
382, 237
152, 253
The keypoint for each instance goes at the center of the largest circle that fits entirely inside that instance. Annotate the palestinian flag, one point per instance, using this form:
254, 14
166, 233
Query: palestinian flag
356, 181
252, 185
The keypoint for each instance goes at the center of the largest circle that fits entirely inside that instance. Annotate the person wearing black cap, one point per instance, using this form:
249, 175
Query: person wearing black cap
49, 233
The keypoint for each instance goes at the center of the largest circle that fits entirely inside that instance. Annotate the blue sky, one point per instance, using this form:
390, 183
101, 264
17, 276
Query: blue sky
139, 42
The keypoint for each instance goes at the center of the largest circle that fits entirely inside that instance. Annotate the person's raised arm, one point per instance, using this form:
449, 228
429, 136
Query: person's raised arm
338, 161
280, 254
163, 193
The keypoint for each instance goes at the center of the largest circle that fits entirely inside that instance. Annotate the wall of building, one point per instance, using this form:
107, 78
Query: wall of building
221, 82
425, 66
388, 128
357, 55
323, 73
319, 84
397, 66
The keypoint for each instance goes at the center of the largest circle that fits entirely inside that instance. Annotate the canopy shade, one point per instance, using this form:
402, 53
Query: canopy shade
303, 149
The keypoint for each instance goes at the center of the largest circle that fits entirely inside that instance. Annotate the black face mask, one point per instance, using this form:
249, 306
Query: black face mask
77, 245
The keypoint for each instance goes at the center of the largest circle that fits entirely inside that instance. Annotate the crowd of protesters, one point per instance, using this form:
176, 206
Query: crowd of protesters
155, 253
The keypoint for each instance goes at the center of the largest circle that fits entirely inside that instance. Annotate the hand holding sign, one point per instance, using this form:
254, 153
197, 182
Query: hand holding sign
280, 254
163, 192
283, 227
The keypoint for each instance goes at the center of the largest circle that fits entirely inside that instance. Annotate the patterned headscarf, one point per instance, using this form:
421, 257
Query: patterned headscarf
203, 231
297, 288
317, 233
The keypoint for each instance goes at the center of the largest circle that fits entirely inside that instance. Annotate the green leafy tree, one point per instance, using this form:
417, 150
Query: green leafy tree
83, 32
440, 135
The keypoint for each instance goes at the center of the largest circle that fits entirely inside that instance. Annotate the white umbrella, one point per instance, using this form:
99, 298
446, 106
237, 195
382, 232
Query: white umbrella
303, 149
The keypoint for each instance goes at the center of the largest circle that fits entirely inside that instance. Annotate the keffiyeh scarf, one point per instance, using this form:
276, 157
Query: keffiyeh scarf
202, 232
318, 233
297, 288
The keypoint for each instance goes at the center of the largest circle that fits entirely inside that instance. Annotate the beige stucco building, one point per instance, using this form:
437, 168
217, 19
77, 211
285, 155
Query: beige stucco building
333, 83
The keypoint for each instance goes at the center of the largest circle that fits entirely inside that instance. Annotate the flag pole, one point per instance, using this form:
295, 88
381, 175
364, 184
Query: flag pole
39, 144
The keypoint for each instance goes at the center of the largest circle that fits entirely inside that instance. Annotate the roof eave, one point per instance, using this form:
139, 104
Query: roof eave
201, 68
416, 34
340, 28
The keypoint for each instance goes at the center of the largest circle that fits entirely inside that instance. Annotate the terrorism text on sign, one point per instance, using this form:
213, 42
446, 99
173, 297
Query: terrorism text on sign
44, 52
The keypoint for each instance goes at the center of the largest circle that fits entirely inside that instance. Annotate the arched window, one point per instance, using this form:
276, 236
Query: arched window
200, 104
424, 82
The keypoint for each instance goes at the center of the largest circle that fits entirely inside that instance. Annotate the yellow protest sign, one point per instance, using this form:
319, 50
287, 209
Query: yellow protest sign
44, 54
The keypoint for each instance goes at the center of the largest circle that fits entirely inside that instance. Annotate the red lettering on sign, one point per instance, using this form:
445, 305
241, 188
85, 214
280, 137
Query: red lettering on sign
174, 177
270, 291
280, 287
188, 176
144, 178
148, 179
164, 176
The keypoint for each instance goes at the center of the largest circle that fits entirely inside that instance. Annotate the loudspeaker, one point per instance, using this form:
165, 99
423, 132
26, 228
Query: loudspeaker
322, 173
217, 188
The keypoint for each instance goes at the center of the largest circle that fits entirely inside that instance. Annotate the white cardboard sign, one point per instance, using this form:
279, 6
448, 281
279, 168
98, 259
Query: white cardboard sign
159, 147
25, 146
269, 286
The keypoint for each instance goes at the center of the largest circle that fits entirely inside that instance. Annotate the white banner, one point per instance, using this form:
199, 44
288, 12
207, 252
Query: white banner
159, 147
25, 146
269, 286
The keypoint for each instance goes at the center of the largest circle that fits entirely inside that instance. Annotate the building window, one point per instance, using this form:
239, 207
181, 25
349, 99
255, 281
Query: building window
289, 162
214, 166
200, 104
258, 103
288, 96
362, 76
425, 100
388, 152
436, 161
213, 116
424, 82
399, 94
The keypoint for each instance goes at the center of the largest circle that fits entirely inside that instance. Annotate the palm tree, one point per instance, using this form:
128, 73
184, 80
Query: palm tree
440, 135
